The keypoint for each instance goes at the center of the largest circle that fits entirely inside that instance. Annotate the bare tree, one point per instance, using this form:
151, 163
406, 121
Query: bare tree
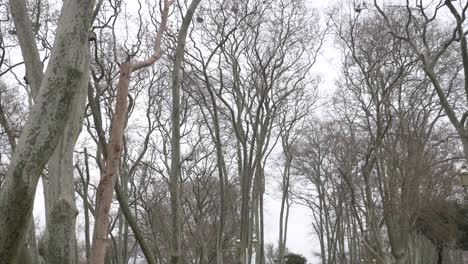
65, 75
113, 151
254, 66
436, 48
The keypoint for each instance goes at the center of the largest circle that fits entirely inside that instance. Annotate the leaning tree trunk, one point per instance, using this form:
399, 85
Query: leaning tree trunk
45, 125
108, 178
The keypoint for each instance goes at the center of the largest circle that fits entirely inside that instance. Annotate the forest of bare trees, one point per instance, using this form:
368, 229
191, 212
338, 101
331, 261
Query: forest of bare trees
157, 131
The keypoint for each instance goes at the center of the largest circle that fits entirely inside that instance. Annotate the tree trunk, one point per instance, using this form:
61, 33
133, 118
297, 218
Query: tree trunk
222, 179
86, 208
440, 251
174, 178
33, 243
46, 124
60, 231
139, 236
108, 178
113, 152
24, 31
284, 201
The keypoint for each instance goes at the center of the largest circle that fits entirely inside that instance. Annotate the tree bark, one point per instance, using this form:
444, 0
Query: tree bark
108, 178
86, 207
46, 123
283, 223
114, 148
61, 244
24, 31
139, 236
174, 187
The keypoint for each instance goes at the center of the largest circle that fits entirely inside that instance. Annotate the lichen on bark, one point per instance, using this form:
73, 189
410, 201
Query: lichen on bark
45, 126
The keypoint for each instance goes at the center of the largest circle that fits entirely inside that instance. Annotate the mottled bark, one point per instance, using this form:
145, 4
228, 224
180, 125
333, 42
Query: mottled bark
46, 123
61, 247
33, 243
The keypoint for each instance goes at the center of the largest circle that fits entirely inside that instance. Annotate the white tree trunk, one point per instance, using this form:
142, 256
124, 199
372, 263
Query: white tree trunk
60, 233
46, 123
